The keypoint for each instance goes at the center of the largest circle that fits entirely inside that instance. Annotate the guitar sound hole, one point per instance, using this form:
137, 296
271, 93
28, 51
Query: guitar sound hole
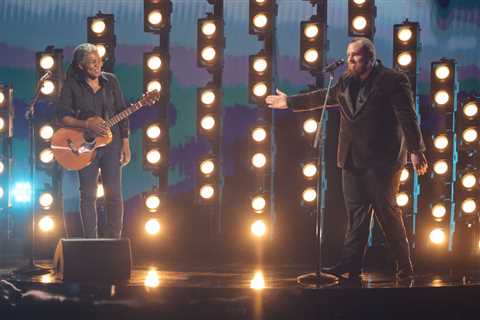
89, 137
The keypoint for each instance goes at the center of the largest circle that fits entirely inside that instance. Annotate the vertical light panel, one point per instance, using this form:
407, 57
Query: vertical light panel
361, 18
466, 240
155, 135
261, 66
209, 175
6, 137
437, 204
50, 61
101, 33
406, 49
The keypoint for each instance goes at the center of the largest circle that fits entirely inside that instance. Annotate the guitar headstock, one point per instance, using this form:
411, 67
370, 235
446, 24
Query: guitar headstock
150, 97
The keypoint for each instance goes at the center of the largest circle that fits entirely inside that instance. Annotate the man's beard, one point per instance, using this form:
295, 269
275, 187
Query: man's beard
356, 73
352, 73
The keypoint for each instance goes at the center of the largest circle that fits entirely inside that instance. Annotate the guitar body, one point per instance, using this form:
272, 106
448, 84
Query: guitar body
74, 149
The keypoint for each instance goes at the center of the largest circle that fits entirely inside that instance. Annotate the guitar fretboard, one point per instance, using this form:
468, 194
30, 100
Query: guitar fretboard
124, 114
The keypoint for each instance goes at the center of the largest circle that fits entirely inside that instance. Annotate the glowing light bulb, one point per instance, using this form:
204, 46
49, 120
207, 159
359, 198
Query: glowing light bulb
207, 167
258, 228
207, 191
440, 167
154, 85
404, 175
152, 202
311, 55
309, 170
153, 156
260, 20
47, 62
154, 63
260, 65
46, 132
152, 226
442, 72
442, 97
259, 134
260, 89
404, 59
155, 17
310, 126
208, 97
259, 160
153, 132
439, 211
437, 236
311, 31
209, 28
359, 23
208, 53
309, 195
441, 142
48, 87
46, 224
98, 26
404, 34
259, 203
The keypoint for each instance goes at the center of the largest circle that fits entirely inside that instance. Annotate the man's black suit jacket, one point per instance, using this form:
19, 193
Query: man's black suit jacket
380, 128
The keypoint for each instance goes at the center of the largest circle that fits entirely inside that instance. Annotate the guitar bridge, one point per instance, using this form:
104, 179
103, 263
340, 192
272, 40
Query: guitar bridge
85, 147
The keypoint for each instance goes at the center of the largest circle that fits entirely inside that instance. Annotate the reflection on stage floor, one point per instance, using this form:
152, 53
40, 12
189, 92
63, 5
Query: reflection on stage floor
238, 291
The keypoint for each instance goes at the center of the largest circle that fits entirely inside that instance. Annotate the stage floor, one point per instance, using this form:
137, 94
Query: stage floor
240, 292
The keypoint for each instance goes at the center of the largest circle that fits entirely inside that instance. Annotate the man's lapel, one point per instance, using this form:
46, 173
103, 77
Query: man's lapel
362, 98
347, 102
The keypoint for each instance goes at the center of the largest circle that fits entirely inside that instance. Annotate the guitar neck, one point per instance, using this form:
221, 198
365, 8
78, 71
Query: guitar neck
124, 114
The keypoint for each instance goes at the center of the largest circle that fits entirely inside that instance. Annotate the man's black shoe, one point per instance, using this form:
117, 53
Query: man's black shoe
340, 269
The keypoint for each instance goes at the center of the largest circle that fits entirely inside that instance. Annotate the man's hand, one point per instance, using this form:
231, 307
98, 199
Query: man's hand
98, 126
125, 154
419, 162
278, 101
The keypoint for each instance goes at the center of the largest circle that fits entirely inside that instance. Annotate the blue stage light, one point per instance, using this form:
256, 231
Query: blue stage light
22, 192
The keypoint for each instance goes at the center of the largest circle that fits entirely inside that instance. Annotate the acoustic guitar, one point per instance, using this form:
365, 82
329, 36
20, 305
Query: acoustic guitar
74, 148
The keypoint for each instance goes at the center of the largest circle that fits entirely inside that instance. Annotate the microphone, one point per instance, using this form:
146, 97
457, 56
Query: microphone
334, 65
47, 75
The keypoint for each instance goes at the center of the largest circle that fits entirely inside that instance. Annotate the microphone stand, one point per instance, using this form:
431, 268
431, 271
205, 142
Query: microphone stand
31, 268
319, 278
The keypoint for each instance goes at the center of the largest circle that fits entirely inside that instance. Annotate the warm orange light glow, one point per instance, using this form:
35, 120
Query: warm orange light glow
47, 62
258, 281
437, 236
259, 134
439, 211
359, 23
442, 72
258, 228
404, 34
152, 226
260, 21
155, 17
152, 202
259, 160
46, 224
98, 26
152, 279
311, 31
404, 175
